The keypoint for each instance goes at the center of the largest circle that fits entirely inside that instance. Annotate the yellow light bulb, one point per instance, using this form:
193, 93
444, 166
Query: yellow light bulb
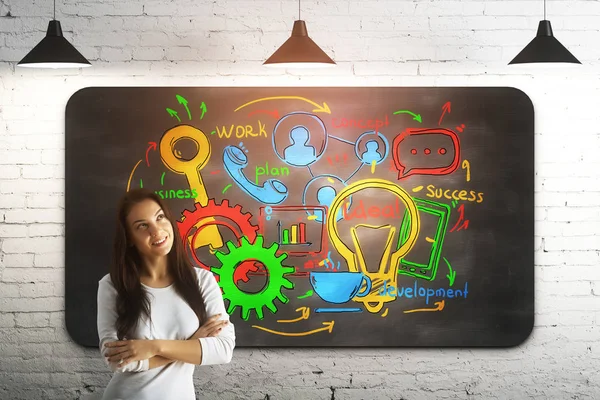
388, 270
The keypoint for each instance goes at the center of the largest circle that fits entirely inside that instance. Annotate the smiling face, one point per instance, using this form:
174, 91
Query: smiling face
149, 230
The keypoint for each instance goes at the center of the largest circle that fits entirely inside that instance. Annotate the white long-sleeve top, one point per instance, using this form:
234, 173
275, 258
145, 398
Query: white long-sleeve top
172, 319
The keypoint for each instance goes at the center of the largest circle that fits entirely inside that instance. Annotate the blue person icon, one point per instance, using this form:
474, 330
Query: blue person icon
372, 153
299, 153
325, 196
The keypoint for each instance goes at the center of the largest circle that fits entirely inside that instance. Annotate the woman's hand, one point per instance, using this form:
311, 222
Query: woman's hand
212, 327
125, 351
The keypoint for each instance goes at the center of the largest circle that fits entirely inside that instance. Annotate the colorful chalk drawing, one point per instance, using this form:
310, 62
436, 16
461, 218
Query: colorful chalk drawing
317, 246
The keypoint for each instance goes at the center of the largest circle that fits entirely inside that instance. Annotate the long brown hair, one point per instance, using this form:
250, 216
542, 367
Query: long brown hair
132, 299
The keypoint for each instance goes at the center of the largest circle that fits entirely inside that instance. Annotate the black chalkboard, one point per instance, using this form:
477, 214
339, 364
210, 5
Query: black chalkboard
348, 216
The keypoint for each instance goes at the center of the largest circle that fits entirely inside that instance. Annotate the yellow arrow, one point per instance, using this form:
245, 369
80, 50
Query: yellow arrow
131, 175
328, 326
305, 314
319, 108
440, 307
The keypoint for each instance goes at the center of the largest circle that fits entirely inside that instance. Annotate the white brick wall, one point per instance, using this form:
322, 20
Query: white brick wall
396, 43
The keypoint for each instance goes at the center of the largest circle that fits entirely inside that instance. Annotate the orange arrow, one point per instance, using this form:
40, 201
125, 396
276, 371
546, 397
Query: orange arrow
440, 307
328, 326
274, 113
305, 314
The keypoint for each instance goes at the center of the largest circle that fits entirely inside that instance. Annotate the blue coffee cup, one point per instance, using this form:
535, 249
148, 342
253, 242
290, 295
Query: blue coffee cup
339, 287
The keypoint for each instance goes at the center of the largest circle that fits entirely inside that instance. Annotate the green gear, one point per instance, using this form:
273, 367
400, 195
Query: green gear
276, 279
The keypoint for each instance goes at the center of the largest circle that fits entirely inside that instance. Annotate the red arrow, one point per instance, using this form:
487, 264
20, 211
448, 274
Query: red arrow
151, 147
274, 113
445, 108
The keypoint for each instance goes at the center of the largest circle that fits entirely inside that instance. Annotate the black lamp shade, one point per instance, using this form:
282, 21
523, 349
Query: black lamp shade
544, 48
54, 51
299, 51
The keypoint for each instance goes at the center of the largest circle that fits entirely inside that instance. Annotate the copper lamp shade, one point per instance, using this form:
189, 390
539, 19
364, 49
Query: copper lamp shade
299, 51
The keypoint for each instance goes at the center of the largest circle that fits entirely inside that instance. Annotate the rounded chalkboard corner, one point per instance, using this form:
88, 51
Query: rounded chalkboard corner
524, 335
521, 93
81, 92
75, 329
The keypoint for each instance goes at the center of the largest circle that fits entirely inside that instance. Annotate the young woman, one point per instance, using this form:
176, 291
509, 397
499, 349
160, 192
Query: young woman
158, 316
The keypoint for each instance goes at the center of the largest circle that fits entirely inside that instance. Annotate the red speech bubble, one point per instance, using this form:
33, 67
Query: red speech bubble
426, 151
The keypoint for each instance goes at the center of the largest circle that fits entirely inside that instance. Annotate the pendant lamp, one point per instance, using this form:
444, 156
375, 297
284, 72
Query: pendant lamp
54, 51
544, 48
299, 51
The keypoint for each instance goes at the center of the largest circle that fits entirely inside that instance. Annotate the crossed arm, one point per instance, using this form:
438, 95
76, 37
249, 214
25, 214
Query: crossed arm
189, 351
173, 349
163, 352
159, 360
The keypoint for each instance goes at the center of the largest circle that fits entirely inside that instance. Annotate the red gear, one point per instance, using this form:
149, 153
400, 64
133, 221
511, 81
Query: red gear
231, 217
